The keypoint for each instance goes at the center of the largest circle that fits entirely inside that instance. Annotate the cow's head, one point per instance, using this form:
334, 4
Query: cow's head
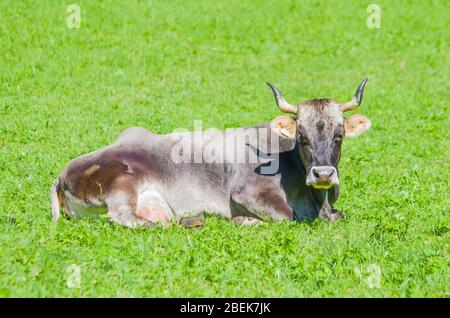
318, 129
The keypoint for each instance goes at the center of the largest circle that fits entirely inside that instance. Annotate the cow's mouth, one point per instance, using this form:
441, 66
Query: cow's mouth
321, 185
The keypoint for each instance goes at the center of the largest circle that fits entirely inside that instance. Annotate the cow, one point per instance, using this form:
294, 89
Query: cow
146, 179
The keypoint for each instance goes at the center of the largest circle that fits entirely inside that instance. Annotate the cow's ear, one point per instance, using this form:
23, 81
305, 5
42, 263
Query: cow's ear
355, 125
284, 126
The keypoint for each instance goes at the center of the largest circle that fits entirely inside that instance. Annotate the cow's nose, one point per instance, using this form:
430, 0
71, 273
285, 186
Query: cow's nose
322, 177
323, 174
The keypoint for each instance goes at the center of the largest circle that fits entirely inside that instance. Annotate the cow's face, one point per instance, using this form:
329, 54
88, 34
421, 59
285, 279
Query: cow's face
318, 130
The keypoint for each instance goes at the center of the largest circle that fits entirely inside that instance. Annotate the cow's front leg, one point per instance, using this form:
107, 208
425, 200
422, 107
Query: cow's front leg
153, 208
121, 207
261, 202
329, 213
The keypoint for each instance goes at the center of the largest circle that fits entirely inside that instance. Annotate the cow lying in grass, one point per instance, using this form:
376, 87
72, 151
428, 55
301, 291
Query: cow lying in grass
287, 170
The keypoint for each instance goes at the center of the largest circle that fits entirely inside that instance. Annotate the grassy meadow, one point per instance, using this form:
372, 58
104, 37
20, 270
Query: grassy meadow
160, 65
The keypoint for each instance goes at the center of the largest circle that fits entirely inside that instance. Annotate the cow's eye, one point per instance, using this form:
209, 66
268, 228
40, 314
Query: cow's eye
304, 141
338, 138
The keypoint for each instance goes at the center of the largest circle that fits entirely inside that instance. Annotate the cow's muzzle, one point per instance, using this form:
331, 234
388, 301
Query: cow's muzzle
322, 177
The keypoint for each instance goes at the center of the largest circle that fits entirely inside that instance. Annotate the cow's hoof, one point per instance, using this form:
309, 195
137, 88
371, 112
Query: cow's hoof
336, 215
192, 222
149, 224
246, 220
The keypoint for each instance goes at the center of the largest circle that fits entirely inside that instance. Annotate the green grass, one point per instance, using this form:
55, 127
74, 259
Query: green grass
162, 64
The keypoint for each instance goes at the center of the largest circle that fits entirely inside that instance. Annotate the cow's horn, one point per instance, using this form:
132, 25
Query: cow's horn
356, 101
281, 102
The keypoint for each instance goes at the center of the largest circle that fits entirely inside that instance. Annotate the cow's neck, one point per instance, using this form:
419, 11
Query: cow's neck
320, 200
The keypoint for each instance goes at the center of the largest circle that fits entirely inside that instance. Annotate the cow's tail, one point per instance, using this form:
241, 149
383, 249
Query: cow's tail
54, 194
